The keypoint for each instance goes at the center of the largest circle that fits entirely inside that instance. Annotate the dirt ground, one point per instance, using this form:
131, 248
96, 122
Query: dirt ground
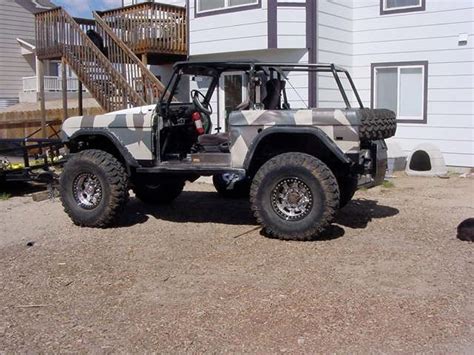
198, 276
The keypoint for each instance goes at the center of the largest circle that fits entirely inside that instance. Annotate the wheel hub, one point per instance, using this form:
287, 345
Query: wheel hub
87, 190
292, 199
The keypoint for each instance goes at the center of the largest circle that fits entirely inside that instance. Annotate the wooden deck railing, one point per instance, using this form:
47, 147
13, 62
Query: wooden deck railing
58, 33
127, 63
150, 27
113, 75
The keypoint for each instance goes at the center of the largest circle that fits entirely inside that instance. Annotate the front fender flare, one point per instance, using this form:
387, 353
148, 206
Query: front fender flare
102, 132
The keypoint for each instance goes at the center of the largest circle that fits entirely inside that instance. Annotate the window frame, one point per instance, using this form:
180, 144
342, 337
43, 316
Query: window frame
226, 9
401, 9
399, 65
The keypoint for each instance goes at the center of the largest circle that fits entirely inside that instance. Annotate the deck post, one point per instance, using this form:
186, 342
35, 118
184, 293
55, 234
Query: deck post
144, 61
64, 87
80, 104
40, 70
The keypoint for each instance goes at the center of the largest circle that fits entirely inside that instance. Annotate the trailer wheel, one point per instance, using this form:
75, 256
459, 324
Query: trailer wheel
94, 188
294, 196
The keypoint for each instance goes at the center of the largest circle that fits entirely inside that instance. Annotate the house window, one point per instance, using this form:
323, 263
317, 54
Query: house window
402, 88
204, 6
399, 6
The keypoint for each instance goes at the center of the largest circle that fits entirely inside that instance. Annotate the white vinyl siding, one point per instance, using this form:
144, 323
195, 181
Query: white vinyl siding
291, 27
400, 89
354, 34
227, 32
431, 35
334, 33
15, 21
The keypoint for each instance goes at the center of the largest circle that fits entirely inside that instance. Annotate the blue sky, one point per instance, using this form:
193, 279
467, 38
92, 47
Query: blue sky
84, 8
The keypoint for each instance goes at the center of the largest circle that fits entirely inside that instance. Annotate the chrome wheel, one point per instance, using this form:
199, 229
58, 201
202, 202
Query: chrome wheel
87, 190
292, 199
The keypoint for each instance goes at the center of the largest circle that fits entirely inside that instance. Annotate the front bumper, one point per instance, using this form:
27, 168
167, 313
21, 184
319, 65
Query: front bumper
373, 161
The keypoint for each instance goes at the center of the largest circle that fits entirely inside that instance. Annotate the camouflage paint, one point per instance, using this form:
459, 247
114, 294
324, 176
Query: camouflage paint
340, 125
132, 130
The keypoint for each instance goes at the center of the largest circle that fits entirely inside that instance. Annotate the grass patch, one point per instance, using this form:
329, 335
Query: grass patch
388, 184
4, 196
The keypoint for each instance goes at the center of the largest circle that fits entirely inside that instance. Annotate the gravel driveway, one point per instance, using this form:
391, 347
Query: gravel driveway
197, 276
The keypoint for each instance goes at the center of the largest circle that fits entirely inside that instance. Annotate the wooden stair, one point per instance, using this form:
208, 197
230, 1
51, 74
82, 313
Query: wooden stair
114, 76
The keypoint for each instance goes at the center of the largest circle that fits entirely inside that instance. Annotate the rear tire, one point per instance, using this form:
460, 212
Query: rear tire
158, 193
94, 188
377, 124
240, 189
294, 196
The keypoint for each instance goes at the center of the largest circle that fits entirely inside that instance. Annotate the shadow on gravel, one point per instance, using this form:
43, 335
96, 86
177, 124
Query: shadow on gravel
360, 212
209, 207
192, 206
14, 189
331, 233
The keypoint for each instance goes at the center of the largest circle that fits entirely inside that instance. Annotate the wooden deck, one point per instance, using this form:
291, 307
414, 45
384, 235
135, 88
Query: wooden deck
156, 30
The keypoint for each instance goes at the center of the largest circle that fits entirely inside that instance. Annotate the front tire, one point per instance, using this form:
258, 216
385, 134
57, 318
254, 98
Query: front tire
94, 188
294, 196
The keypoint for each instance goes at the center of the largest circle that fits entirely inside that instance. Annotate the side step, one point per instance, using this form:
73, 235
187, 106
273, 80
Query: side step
198, 163
191, 168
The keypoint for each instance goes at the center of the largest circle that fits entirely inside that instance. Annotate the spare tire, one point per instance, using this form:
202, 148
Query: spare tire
377, 124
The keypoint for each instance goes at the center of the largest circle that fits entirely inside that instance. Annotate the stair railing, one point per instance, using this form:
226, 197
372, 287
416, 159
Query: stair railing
136, 73
59, 35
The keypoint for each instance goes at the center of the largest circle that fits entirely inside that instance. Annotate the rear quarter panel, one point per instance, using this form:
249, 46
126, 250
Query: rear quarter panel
340, 125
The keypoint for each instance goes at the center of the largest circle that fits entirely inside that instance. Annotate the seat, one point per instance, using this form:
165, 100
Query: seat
273, 97
214, 143
213, 139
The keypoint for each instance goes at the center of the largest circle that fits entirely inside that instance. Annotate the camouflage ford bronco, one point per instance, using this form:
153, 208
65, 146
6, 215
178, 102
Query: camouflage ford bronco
299, 166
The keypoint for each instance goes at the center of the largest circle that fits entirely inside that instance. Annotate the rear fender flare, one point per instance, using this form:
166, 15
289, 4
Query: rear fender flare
313, 131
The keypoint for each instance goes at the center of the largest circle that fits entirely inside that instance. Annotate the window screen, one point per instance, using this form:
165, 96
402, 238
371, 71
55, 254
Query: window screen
401, 88
411, 92
241, 2
205, 5
386, 88
393, 4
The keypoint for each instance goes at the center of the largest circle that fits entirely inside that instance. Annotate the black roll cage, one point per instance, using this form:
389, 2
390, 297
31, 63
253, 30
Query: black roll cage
215, 69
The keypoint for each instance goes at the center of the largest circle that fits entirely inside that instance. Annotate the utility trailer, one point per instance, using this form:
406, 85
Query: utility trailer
30, 159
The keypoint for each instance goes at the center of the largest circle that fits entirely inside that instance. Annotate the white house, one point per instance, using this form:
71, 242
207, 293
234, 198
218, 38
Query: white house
415, 57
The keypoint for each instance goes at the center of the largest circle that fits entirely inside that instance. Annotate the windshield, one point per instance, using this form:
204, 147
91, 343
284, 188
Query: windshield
182, 84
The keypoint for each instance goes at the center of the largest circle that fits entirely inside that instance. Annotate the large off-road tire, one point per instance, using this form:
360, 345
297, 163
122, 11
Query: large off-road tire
347, 189
159, 192
377, 124
239, 189
94, 188
294, 196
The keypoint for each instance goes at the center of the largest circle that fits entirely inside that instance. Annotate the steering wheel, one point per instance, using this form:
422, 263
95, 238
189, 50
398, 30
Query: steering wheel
202, 105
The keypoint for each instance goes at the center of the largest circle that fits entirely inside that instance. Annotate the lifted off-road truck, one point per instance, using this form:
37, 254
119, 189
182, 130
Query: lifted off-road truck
299, 166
